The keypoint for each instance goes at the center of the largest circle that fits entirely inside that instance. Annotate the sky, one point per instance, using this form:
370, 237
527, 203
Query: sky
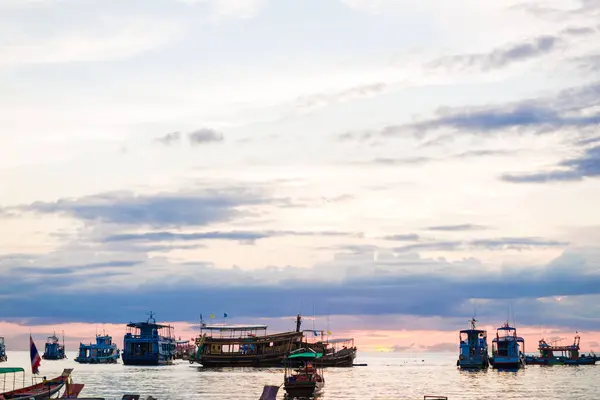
388, 168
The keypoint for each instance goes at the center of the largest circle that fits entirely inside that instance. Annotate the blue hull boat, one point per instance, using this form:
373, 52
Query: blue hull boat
507, 349
3, 356
54, 350
149, 343
473, 348
103, 352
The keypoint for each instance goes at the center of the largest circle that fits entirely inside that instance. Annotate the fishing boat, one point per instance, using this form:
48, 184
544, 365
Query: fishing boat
38, 391
54, 350
473, 348
243, 346
507, 349
3, 356
104, 351
148, 343
567, 355
184, 348
252, 346
307, 380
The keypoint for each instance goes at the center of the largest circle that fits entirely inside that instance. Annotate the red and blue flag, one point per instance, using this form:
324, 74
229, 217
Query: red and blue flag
35, 357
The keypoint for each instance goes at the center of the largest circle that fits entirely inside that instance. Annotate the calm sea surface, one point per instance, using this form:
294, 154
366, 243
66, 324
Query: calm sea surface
387, 376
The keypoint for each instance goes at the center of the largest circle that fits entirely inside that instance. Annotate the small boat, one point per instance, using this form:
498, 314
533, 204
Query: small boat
148, 343
39, 391
54, 350
306, 381
507, 352
103, 352
473, 348
569, 355
184, 348
3, 356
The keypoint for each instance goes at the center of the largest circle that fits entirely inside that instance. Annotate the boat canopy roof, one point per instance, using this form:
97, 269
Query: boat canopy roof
334, 341
141, 325
473, 331
509, 338
306, 355
11, 370
234, 327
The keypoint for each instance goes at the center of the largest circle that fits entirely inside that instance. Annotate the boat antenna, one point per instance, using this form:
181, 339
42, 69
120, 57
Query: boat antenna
314, 316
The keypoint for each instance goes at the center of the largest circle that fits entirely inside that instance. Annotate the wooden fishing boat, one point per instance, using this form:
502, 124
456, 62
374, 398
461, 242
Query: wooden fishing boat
39, 391
306, 381
252, 346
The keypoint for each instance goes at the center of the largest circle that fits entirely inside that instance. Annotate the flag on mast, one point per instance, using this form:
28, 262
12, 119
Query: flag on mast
35, 356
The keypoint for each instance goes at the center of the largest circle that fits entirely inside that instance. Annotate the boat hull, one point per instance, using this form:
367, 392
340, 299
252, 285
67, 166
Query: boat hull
344, 358
103, 360
153, 359
41, 391
507, 363
303, 389
211, 361
473, 362
472, 365
53, 357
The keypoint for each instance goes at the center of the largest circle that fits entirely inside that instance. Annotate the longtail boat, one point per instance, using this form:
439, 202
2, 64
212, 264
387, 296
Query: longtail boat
305, 381
39, 391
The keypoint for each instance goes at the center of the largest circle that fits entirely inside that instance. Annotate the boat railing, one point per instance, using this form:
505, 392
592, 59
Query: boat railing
147, 337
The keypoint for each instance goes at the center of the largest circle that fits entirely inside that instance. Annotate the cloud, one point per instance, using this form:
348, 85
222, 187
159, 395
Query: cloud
483, 153
399, 348
99, 266
501, 57
169, 138
579, 31
441, 347
202, 207
400, 161
93, 43
410, 237
359, 288
245, 236
324, 99
204, 136
462, 227
243, 9
573, 107
515, 243
574, 169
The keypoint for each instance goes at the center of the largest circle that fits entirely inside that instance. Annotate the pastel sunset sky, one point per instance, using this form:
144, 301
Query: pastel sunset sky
392, 166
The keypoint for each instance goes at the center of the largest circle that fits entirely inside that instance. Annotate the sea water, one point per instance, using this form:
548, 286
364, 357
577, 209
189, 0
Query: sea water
386, 376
